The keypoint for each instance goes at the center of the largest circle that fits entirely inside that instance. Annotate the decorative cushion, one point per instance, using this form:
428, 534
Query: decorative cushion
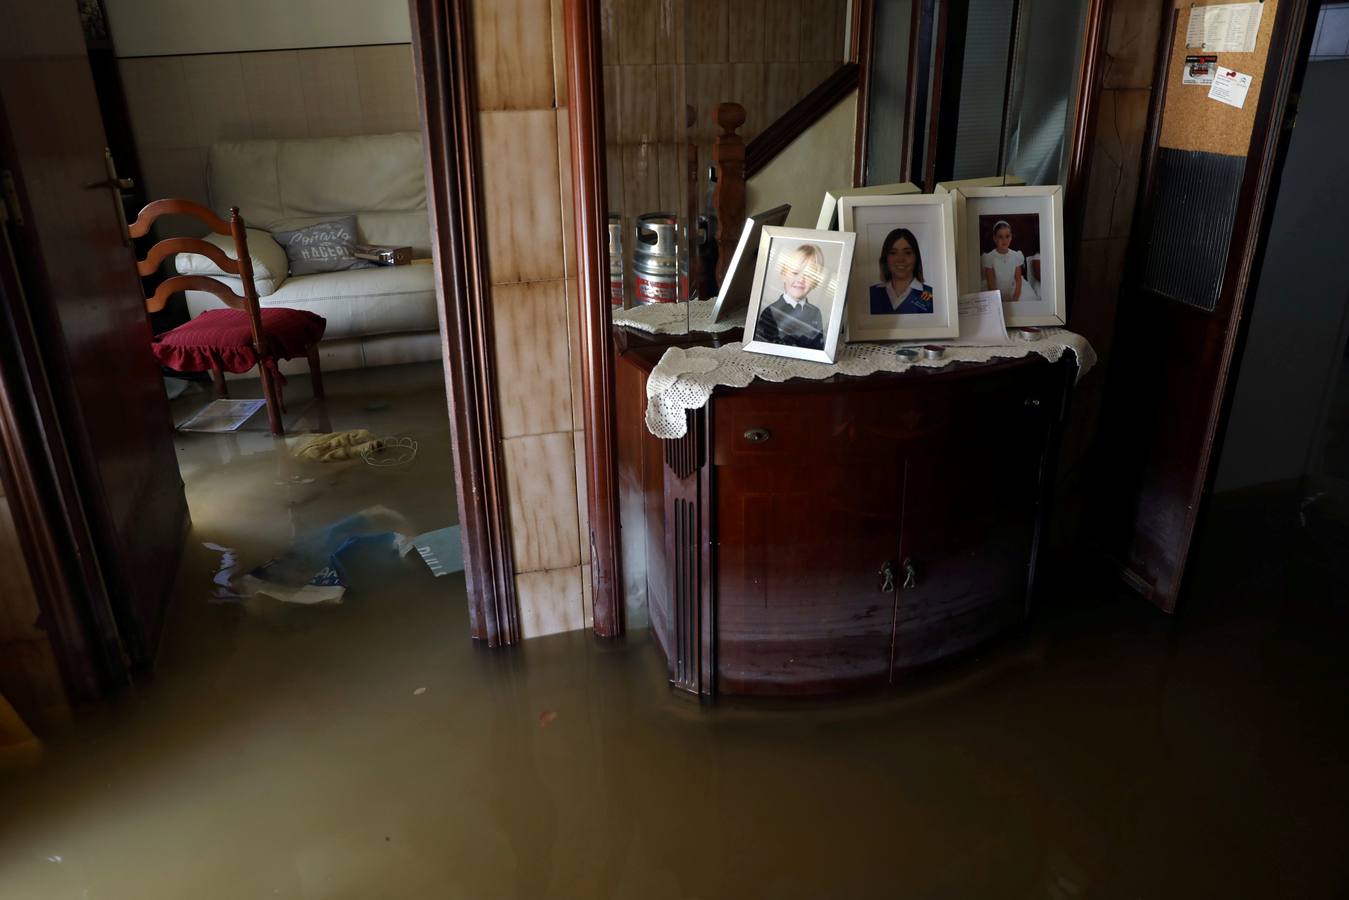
270, 264
224, 336
324, 247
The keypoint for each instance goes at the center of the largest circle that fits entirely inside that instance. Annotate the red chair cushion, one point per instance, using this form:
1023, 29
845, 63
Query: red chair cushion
224, 336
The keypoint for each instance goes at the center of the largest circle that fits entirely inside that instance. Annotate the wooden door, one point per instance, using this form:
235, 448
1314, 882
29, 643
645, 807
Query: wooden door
84, 302
807, 517
1209, 169
973, 500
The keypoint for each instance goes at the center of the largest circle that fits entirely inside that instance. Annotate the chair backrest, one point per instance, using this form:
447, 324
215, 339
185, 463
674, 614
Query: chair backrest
241, 265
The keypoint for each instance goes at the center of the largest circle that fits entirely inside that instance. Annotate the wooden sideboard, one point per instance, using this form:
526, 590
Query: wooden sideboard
816, 537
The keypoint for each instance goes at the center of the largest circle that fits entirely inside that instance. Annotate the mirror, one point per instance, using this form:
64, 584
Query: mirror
666, 65
997, 96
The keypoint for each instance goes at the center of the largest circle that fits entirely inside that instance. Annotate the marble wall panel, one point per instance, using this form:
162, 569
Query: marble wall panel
511, 37
532, 357
541, 485
521, 195
550, 601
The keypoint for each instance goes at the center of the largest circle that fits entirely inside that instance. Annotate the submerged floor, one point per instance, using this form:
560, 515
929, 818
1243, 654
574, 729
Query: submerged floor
370, 750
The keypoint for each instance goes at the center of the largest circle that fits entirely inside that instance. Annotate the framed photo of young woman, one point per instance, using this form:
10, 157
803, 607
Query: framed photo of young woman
904, 284
1012, 242
796, 303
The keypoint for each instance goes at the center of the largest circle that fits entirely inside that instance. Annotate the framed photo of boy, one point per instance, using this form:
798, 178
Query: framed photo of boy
1012, 242
796, 302
904, 284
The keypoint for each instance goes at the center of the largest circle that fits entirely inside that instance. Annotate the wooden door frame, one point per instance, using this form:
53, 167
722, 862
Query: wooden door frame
442, 43
39, 477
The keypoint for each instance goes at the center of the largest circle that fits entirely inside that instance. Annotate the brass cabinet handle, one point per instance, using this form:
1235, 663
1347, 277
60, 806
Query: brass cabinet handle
758, 435
1032, 401
910, 575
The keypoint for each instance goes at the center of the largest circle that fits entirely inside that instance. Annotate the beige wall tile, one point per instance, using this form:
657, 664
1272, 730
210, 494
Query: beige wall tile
609, 14
749, 88
671, 46
513, 53
388, 88
673, 182
532, 358
272, 89
708, 84
550, 602
671, 116
559, 54
582, 504
565, 199
641, 177
637, 20
747, 29
541, 487
587, 597
639, 113
783, 88
708, 23
521, 195
158, 102
782, 31
575, 357
820, 36
613, 172
218, 105
331, 90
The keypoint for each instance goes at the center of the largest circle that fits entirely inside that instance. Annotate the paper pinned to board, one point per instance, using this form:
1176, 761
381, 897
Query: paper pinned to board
1199, 69
1226, 28
1230, 87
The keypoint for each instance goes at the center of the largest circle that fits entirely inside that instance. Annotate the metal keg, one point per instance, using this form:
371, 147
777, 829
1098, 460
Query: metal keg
655, 258
616, 261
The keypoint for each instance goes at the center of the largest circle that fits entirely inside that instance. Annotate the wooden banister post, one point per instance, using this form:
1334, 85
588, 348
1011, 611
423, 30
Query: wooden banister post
728, 153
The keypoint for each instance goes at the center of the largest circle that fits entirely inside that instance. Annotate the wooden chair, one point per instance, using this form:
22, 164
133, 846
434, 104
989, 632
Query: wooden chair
234, 339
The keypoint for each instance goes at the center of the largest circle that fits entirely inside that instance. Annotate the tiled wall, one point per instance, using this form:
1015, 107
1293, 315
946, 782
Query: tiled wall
532, 268
180, 105
764, 54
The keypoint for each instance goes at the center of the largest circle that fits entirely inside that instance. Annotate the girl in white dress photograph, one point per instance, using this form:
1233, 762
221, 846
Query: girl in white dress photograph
1004, 267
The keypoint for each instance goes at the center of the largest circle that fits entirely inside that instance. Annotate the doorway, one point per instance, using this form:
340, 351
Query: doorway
1284, 464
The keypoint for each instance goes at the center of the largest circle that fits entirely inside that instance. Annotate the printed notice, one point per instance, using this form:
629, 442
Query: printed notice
1199, 69
981, 320
1230, 87
1228, 28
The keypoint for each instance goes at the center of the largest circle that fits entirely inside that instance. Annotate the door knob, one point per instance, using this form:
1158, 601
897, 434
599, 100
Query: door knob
758, 435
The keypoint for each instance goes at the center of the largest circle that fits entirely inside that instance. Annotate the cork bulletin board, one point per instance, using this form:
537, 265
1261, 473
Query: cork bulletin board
1190, 120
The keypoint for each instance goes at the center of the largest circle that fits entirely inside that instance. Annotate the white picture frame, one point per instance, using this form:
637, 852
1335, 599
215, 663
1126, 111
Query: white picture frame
828, 218
924, 225
814, 266
1034, 216
735, 290
950, 187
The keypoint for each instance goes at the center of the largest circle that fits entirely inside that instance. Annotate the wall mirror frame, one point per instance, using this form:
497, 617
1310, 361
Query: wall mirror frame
586, 122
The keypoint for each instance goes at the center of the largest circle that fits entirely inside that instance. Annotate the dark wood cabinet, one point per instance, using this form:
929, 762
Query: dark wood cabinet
820, 536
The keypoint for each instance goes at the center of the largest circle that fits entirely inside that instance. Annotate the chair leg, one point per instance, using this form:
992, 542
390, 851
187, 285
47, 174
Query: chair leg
315, 373
269, 394
218, 377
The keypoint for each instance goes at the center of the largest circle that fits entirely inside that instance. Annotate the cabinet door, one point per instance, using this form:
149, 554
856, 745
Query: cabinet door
971, 507
801, 606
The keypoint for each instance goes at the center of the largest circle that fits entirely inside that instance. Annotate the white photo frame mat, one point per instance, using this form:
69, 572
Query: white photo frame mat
1046, 201
833, 319
939, 268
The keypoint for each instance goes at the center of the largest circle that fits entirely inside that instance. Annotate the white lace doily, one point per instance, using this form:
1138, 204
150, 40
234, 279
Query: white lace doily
685, 377
677, 318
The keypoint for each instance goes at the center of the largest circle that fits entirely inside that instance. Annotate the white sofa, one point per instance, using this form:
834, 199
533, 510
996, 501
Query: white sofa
376, 316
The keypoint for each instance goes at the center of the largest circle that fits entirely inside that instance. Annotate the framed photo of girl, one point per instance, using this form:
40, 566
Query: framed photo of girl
796, 302
904, 285
1012, 242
